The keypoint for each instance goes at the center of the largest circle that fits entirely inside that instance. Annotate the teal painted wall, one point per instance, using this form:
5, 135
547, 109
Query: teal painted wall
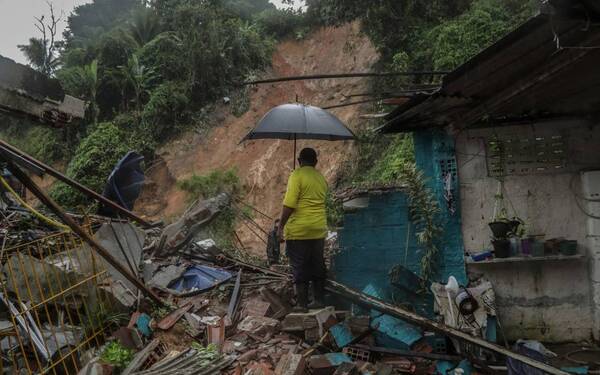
380, 236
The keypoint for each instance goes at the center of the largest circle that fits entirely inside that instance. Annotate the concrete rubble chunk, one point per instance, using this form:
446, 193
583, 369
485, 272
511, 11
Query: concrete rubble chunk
164, 275
315, 321
125, 242
258, 325
291, 364
327, 364
175, 236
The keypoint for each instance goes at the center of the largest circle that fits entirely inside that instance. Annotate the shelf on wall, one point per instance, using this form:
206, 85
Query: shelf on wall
469, 261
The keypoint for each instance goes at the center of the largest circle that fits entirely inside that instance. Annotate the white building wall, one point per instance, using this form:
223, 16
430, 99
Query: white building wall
543, 300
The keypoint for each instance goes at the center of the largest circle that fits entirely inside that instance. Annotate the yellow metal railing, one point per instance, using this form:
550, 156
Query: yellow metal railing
57, 295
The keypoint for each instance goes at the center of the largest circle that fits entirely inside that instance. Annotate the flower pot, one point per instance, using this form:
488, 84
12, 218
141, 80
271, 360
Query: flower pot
537, 249
500, 229
527, 246
568, 247
501, 248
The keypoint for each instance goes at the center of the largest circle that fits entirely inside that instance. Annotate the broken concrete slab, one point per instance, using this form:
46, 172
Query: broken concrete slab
319, 320
258, 325
24, 272
163, 276
181, 232
125, 243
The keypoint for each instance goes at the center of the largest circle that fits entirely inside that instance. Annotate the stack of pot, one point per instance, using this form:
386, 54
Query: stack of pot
502, 231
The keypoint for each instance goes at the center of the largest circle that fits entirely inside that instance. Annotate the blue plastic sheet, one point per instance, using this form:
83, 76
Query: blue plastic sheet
198, 278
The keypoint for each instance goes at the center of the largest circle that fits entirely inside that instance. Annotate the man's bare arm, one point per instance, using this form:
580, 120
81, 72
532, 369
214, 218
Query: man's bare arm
286, 212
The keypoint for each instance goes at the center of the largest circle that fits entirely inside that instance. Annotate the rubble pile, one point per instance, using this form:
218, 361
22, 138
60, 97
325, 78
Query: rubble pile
212, 313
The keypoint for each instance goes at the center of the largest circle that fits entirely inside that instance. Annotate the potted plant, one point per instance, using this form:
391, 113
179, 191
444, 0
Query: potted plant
501, 226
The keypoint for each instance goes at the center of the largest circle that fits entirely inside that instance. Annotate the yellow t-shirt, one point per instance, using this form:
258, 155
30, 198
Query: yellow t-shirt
306, 192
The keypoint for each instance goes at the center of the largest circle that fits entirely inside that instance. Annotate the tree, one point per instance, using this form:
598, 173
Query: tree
88, 21
392, 25
42, 53
144, 26
139, 78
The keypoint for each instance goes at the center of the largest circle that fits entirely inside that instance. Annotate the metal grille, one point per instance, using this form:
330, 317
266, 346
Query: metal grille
55, 296
526, 154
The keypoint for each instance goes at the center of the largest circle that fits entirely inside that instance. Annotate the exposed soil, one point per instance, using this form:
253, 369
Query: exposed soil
264, 165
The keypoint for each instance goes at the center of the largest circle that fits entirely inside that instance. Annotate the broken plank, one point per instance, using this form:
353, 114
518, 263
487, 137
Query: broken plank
141, 357
170, 320
235, 299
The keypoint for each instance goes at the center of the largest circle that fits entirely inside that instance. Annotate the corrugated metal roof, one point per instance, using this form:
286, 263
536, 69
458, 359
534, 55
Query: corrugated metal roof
548, 67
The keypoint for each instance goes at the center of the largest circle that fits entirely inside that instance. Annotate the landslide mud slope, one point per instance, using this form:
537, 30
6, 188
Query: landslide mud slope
264, 165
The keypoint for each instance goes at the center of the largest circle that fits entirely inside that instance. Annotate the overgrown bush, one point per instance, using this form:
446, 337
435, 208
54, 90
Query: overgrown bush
92, 163
164, 53
453, 42
282, 22
165, 111
43, 143
211, 184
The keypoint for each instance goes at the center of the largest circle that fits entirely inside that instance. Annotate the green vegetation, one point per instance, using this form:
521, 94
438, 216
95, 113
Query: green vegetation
205, 355
117, 355
424, 35
424, 214
209, 185
93, 161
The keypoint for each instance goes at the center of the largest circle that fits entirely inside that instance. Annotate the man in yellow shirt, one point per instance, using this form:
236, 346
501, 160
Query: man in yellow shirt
303, 224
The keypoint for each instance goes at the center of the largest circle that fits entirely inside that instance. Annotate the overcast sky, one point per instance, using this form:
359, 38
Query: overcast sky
17, 22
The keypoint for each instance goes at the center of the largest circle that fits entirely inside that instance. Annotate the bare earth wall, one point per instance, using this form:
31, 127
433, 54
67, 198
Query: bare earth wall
544, 300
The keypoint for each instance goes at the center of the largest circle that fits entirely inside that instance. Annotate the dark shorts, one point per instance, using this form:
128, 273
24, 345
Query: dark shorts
306, 259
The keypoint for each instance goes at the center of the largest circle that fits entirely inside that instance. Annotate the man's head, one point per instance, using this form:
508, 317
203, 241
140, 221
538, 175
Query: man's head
307, 157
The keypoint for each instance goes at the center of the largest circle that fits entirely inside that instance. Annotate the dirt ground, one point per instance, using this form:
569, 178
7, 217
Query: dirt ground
264, 165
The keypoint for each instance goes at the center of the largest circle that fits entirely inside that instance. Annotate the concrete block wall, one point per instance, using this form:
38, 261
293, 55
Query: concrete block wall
547, 301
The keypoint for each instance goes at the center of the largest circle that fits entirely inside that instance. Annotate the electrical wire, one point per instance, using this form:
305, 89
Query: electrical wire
35, 212
578, 199
253, 208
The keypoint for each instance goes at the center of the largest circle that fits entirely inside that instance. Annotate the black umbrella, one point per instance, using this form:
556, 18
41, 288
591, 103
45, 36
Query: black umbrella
299, 121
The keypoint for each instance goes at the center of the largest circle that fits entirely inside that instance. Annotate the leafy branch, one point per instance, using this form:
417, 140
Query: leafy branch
424, 210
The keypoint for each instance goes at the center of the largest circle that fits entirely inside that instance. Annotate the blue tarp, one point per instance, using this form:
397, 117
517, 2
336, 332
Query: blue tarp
198, 278
124, 183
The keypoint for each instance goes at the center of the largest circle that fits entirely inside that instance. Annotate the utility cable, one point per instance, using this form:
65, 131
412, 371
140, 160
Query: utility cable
253, 209
35, 212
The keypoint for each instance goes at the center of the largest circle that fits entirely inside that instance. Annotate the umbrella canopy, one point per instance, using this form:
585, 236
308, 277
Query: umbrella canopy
299, 121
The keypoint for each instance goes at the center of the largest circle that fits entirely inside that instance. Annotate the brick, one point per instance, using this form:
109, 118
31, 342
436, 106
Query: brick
291, 364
